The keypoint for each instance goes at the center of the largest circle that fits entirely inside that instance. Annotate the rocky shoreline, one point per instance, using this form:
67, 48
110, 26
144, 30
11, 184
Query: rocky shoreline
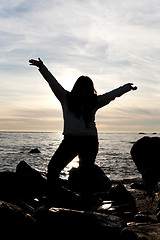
117, 210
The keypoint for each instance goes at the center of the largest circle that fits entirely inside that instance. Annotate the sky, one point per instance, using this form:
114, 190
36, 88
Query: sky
112, 41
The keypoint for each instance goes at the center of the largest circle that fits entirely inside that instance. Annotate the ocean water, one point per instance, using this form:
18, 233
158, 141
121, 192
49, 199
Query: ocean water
113, 156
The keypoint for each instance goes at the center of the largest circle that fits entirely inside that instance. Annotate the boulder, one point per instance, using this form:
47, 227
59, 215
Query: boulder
145, 153
23, 169
14, 222
83, 224
95, 180
8, 186
120, 195
65, 198
123, 201
26, 183
31, 183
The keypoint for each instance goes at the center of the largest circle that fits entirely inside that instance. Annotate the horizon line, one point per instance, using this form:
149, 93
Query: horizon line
56, 131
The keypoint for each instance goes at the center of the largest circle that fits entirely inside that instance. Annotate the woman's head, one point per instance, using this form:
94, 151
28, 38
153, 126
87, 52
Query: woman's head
84, 86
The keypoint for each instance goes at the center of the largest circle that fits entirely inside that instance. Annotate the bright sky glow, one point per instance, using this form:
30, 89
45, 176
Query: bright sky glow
112, 41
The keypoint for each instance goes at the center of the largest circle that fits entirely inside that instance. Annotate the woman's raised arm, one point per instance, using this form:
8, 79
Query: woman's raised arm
57, 89
106, 98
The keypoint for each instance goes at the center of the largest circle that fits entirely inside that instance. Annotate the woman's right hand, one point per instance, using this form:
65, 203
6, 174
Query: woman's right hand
38, 63
132, 88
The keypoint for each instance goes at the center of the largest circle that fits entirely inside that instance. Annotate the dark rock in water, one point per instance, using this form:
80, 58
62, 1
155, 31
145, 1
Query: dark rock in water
145, 153
94, 181
35, 150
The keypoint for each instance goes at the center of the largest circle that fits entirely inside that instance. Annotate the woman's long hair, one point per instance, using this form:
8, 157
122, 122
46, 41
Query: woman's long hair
82, 99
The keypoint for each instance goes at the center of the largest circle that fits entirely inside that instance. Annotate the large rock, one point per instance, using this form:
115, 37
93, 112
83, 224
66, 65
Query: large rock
14, 222
71, 223
144, 232
31, 182
8, 185
26, 183
95, 180
146, 155
123, 199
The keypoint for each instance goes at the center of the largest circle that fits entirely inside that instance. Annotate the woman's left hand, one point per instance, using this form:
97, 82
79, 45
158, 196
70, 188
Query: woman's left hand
36, 63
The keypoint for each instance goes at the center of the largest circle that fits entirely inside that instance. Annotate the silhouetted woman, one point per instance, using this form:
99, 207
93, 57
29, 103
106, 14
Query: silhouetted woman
80, 133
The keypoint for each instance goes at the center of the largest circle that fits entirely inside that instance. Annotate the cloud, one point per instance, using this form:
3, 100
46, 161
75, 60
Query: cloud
113, 42
27, 118
137, 118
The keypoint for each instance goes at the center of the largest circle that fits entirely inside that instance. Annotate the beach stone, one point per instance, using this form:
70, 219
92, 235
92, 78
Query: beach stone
96, 179
156, 203
143, 202
144, 218
158, 216
141, 232
137, 185
120, 195
145, 153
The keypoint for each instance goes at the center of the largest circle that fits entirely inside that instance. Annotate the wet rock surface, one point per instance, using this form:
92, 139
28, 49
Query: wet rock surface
114, 210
